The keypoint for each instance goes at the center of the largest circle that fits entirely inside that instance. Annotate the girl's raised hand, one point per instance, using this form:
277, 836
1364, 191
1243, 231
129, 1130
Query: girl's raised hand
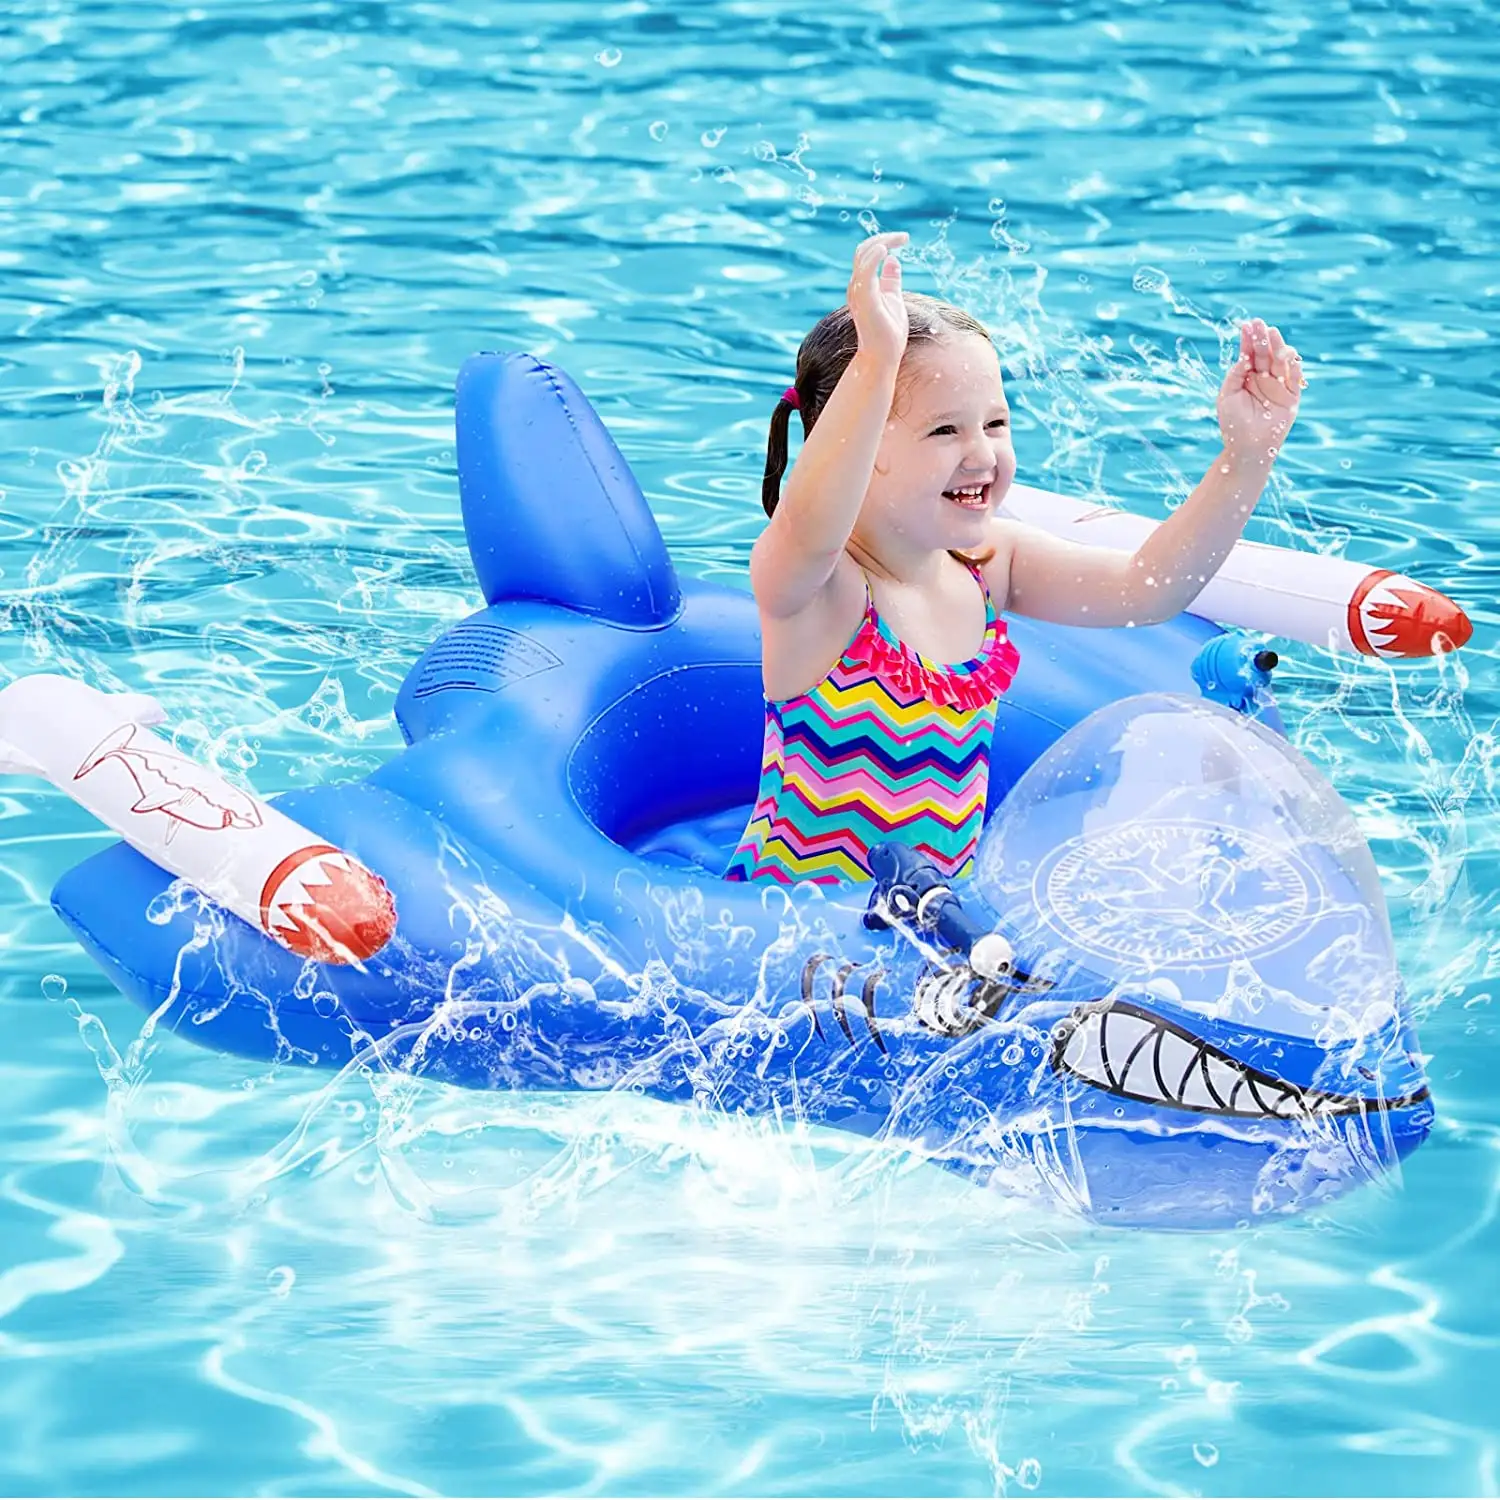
1261, 393
875, 298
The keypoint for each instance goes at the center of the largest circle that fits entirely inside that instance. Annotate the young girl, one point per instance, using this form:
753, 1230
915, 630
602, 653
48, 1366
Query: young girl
884, 570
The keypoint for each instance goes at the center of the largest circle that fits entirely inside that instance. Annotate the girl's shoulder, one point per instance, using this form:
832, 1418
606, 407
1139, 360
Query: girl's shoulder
1000, 545
844, 589
798, 651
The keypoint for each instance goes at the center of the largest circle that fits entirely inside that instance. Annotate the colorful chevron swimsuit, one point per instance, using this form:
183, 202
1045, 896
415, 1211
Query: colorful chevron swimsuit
888, 746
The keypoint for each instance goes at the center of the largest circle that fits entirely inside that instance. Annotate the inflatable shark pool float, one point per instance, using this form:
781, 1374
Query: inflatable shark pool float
1170, 985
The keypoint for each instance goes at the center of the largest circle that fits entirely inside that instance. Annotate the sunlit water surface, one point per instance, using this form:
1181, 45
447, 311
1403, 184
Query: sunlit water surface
244, 251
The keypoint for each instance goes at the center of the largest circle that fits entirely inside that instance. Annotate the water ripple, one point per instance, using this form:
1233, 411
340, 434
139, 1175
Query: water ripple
245, 252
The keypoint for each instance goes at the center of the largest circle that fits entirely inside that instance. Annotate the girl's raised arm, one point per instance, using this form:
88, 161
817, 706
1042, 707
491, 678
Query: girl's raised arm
798, 551
1070, 583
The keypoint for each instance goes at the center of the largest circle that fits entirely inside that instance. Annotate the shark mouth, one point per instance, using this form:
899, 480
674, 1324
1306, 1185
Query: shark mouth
324, 904
1135, 1055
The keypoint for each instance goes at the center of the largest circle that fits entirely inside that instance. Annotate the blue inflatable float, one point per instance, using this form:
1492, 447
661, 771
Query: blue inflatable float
1170, 985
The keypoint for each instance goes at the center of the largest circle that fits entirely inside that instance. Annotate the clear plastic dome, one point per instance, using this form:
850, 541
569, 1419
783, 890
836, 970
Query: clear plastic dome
1170, 840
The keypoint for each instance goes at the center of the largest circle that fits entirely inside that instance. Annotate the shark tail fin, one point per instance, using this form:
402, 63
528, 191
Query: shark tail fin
116, 739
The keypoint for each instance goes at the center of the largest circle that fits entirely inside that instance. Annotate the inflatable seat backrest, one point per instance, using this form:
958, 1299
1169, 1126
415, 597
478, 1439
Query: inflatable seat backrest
550, 506
684, 744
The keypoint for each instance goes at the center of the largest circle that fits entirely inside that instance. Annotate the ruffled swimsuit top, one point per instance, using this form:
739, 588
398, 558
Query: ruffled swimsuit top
888, 746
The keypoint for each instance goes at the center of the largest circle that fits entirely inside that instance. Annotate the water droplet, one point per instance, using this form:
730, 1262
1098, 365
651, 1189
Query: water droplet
1151, 280
1029, 1474
711, 138
1206, 1454
657, 130
765, 151
1013, 1055
609, 58
55, 987
281, 1280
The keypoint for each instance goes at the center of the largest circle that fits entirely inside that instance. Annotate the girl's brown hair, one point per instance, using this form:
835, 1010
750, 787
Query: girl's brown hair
824, 356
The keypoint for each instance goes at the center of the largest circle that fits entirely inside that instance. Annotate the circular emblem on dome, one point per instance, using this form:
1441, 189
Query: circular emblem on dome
1174, 892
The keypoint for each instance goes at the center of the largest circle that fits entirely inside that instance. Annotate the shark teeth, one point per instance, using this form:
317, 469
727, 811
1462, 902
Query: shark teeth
1135, 1055
305, 885
324, 904
941, 1002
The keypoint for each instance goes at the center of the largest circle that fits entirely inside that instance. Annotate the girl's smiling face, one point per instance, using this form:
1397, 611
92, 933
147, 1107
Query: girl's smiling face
948, 434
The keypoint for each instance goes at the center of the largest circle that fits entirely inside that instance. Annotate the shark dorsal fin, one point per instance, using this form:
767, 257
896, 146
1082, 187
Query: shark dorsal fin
550, 506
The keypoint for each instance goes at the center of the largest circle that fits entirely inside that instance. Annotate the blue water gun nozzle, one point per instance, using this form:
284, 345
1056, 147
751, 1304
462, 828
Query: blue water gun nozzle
1235, 670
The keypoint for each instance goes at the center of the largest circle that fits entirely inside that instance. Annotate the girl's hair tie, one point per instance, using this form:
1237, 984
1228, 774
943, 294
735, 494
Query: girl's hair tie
790, 396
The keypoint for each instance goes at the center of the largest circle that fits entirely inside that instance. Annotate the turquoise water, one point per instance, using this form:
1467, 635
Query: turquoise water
244, 251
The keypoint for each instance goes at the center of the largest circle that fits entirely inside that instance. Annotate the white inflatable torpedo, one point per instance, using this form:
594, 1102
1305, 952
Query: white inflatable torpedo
1303, 596
312, 898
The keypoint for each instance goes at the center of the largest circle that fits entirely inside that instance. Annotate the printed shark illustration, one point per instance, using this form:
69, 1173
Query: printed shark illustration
172, 785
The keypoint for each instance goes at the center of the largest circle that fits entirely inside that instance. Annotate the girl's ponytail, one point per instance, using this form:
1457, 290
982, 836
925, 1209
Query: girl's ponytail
777, 448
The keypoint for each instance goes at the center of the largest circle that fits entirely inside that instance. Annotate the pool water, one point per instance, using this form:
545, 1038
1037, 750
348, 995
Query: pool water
245, 250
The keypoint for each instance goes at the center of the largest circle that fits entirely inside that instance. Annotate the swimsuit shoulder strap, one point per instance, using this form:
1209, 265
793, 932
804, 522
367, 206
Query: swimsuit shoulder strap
977, 570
